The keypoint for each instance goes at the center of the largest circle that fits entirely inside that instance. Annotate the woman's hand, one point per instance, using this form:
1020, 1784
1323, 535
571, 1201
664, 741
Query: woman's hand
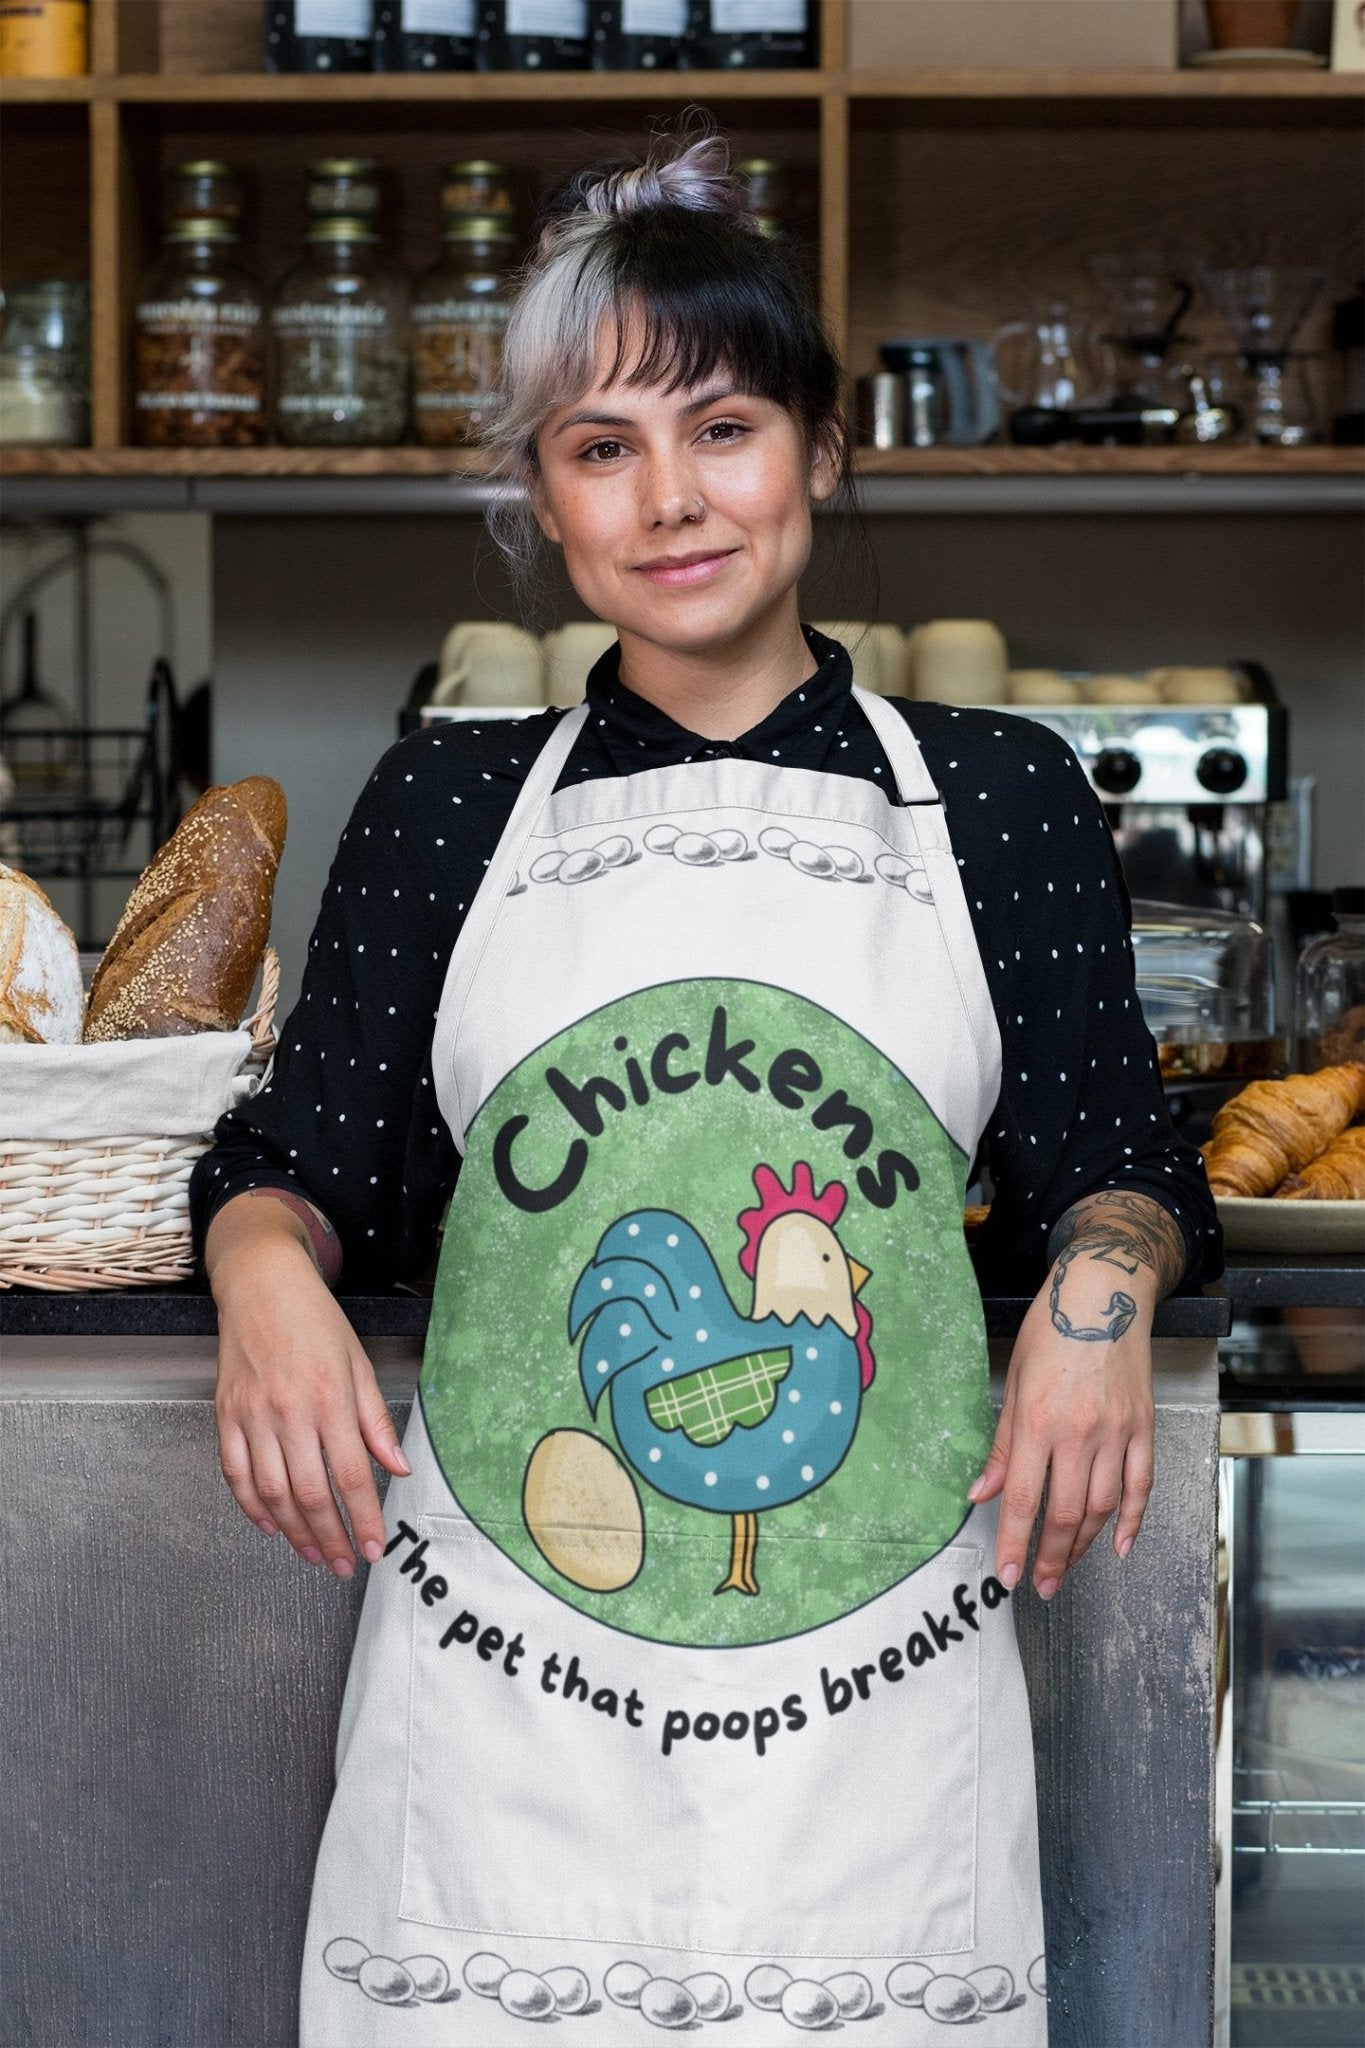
1078, 1412
299, 1409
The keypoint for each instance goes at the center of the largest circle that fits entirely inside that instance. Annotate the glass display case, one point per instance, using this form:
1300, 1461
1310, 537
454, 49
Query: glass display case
1290, 1770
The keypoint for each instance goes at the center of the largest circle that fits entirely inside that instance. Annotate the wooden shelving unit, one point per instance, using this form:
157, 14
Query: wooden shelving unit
934, 202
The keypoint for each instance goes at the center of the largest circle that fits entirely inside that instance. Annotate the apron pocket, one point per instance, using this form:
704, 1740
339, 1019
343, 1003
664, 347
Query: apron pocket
810, 1797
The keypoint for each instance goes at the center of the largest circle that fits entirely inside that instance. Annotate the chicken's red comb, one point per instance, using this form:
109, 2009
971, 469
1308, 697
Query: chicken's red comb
775, 1200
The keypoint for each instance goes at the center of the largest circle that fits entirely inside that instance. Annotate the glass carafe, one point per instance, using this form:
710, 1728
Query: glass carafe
1062, 366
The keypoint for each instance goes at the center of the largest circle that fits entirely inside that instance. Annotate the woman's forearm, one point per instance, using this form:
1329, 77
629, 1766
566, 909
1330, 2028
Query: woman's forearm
262, 1218
1112, 1254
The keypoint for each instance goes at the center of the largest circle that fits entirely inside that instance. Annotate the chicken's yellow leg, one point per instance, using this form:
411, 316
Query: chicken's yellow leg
743, 1547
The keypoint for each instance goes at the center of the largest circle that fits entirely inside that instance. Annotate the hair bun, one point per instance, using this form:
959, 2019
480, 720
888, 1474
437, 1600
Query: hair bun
675, 172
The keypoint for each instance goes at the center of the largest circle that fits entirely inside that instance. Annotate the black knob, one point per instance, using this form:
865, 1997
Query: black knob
1117, 769
1221, 770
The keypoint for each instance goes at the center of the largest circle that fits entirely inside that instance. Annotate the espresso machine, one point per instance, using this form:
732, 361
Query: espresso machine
1192, 794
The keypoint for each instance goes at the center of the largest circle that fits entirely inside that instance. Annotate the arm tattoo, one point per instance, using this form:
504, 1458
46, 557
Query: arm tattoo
1130, 1232
322, 1238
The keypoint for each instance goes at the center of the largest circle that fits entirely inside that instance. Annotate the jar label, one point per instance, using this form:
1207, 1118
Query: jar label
438, 17
758, 17
332, 17
461, 313
334, 403
653, 17
204, 314
548, 18
198, 401
309, 314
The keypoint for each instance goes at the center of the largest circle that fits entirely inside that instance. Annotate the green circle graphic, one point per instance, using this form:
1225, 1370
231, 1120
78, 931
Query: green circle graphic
502, 1374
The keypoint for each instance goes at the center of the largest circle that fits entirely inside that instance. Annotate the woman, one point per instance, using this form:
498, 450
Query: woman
686, 1685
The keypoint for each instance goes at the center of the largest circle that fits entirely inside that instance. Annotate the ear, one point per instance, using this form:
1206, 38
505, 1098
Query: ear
544, 517
824, 471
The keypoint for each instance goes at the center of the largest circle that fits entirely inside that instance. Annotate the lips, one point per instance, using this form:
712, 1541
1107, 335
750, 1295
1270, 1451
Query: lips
676, 571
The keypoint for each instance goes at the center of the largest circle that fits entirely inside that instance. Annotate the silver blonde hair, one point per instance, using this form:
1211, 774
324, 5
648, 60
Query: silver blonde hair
565, 292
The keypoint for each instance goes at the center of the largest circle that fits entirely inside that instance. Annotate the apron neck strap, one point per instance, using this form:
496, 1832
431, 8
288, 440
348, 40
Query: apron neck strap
913, 780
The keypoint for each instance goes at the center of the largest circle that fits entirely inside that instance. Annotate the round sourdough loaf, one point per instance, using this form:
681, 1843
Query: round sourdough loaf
40, 971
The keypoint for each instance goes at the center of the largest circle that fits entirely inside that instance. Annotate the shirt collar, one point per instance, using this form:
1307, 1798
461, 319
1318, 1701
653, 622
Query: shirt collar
800, 732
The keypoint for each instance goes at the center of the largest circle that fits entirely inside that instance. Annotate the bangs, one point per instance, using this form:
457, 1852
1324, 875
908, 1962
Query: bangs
692, 297
680, 296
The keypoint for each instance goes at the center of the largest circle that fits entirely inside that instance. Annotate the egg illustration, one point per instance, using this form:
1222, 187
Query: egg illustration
384, 1980
624, 1982
430, 1977
570, 1987
892, 868
616, 850
851, 1992
661, 838
905, 1984
847, 864
951, 1999
696, 850
765, 1984
343, 1957
666, 2003
545, 867
807, 2004
1037, 1976
994, 1986
583, 1512
525, 1995
582, 866
777, 840
484, 1972
809, 859
711, 1992
730, 845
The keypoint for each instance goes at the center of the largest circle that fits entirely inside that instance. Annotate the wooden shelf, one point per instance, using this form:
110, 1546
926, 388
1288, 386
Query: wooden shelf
1193, 89
891, 462
935, 202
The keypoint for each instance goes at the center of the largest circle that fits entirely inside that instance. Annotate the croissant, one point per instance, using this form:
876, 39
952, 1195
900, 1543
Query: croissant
1336, 1175
1273, 1128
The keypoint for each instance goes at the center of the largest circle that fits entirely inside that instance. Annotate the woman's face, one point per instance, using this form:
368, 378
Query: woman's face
684, 517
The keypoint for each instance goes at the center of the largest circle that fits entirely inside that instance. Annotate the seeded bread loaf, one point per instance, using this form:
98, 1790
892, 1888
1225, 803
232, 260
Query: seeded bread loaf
192, 934
40, 970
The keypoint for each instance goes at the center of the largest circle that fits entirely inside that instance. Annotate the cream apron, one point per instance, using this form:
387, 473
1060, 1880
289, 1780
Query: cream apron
684, 1696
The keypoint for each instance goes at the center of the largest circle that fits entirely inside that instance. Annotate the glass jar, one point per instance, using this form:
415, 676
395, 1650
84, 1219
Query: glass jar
45, 364
477, 187
459, 312
1206, 984
763, 193
204, 189
199, 345
340, 330
343, 188
1329, 989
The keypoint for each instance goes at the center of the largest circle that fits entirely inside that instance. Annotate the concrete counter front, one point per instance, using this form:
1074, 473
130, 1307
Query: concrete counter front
172, 1679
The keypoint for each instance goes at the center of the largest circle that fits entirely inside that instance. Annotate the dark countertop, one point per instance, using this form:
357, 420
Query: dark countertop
1251, 1282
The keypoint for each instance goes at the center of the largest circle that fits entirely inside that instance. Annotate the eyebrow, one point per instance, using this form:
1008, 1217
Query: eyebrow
606, 419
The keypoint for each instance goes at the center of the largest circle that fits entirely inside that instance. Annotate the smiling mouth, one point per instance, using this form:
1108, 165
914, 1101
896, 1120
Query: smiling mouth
694, 569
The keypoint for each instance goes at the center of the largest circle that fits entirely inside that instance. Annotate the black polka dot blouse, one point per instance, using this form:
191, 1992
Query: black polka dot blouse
349, 1117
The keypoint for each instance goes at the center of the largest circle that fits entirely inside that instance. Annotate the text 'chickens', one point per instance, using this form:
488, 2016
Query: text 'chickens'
793, 1078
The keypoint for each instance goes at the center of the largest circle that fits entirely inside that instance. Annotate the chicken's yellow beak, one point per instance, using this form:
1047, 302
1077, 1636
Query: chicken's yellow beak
860, 1275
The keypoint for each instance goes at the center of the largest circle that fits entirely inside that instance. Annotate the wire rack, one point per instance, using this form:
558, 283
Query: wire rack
1270, 1817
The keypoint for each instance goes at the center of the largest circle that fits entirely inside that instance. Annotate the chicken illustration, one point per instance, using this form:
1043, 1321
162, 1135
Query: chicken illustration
729, 1413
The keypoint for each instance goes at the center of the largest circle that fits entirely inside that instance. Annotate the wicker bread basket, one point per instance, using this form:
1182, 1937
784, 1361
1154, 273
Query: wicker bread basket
78, 1213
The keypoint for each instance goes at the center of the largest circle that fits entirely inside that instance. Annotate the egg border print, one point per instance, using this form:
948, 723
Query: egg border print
686, 1424
809, 2005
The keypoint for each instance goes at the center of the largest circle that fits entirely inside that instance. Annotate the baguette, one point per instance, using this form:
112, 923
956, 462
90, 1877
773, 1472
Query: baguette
190, 940
1272, 1129
1336, 1175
